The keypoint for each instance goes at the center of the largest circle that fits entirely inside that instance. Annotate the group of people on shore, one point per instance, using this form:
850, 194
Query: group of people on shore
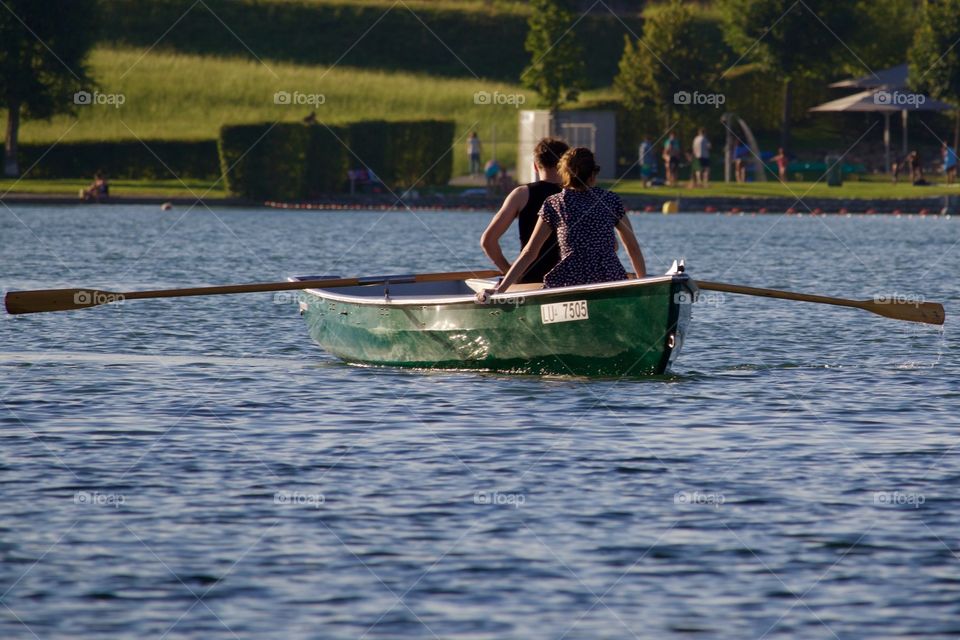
911, 165
568, 226
672, 154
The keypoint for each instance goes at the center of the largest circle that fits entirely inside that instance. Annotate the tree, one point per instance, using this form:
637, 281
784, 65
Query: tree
896, 19
790, 39
662, 63
43, 46
556, 71
934, 57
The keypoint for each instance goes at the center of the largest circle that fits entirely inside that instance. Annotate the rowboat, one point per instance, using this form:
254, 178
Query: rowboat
433, 320
630, 327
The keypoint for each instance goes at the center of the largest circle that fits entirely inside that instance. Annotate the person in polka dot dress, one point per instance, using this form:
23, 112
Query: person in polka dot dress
587, 220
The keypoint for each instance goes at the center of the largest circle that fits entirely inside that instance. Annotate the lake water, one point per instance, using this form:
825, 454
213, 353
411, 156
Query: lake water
196, 468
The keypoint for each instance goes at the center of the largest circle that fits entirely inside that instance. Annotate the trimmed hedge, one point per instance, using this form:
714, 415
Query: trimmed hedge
302, 162
126, 159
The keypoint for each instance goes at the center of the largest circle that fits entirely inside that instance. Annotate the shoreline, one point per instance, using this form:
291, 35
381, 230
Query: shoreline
930, 205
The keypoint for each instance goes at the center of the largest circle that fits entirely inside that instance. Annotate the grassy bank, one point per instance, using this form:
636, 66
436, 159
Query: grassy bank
144, 188
850, 190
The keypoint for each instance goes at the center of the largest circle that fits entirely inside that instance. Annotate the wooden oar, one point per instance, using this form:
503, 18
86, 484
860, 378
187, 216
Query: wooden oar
893, 307
43, 300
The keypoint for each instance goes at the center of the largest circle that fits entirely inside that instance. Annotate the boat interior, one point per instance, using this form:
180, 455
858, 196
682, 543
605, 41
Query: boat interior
453, 288
448, 288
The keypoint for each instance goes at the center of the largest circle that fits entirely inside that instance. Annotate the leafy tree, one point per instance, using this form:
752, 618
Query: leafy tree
556, 71
934, 56
790, 39
896, 19
42, 50
679, 51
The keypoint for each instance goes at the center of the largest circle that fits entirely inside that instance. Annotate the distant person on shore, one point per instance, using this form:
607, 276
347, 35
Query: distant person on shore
473, 152
740, 154
781, 160
99, 190
490, 171
522, 205
911, 165
949, 155
671, 159
647, 158
700, 174
586, 220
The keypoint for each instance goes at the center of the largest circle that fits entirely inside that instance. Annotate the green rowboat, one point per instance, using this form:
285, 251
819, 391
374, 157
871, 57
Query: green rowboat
627, 328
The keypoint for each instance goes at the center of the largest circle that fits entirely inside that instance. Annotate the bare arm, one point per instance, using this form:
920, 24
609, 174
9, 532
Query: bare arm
629, 240
490, 240
530, 252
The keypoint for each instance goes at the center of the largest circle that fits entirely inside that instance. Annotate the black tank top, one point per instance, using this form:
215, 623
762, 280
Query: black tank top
527, 220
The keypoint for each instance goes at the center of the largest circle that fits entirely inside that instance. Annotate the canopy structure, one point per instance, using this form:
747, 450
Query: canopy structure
885, 99
892, 78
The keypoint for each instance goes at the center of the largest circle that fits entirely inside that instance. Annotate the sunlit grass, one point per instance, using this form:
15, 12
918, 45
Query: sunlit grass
152, 188
174, 96
774, 189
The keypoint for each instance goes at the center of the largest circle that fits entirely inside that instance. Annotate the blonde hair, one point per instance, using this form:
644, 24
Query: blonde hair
577, 166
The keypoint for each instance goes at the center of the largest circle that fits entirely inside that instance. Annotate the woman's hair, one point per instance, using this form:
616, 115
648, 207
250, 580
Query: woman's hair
548, 152
576, 168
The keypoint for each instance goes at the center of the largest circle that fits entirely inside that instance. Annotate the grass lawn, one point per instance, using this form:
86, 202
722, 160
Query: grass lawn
151, 188
774, 189
175, 96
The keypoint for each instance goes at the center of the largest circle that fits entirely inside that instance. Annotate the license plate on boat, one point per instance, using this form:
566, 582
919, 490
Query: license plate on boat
564, 312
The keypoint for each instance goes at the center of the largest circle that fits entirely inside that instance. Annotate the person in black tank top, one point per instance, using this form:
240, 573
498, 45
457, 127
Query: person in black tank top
527, 220
523, 204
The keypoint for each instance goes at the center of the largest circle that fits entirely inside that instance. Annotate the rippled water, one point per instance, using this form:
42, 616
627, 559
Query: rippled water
196, 468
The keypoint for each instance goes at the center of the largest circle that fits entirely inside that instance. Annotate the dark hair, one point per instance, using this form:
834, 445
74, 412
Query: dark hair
577, 166
548, 152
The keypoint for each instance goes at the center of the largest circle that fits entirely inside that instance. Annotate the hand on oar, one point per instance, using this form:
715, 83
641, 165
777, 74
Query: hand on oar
892, 307
44, 300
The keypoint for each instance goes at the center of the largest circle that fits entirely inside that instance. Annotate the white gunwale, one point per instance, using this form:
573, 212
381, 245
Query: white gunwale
377, 298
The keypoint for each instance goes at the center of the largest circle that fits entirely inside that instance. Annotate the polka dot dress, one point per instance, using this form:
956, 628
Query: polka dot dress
584, 222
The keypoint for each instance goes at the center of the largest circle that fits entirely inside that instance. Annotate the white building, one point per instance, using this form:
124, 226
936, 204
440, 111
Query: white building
596, 130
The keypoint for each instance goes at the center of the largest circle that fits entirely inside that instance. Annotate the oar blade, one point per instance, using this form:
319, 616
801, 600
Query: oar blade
926, 312
44, 300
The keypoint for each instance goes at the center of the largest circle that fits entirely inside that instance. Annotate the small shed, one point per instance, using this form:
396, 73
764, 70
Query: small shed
596, 130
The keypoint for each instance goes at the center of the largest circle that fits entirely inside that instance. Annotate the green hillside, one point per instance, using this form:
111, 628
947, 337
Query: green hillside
178, 96
454, 39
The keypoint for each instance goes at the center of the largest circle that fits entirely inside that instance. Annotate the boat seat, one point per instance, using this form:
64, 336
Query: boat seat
479, 284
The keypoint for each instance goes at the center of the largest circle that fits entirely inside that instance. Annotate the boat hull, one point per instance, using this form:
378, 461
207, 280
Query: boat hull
629, 328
